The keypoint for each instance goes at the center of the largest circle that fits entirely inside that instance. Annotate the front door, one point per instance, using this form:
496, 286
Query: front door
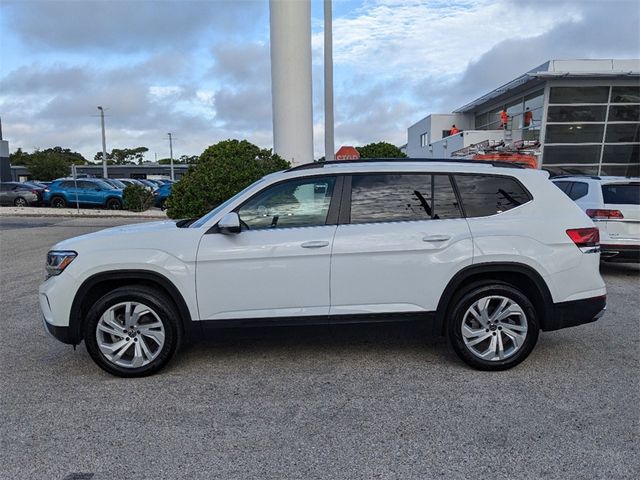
403, 240
278, 265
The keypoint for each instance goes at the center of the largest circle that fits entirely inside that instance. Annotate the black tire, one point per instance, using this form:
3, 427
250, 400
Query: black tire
464, 300
154, 299
163, 205
20, 202
114, 204
58, 202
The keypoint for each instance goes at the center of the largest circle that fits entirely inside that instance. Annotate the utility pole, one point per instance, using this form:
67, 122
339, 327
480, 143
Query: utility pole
329, 145
104, 145
171, 154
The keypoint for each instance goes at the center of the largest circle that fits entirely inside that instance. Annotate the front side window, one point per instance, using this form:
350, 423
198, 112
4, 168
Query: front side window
484, 195
294, 203
402, 197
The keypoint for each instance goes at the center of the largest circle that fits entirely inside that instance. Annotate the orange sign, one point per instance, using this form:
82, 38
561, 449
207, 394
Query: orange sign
347, 153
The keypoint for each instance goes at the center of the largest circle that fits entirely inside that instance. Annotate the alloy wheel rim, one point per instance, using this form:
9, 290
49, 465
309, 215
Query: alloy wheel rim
21, 202
130, 334
494, 328
58, 203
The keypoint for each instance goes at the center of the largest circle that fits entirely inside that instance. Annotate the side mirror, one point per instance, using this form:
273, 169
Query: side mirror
230, 223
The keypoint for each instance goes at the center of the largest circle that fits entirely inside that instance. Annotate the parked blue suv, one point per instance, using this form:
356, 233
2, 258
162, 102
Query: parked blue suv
161, 195
89, 191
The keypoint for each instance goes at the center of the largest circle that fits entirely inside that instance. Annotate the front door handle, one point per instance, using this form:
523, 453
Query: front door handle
315, 244
436, 238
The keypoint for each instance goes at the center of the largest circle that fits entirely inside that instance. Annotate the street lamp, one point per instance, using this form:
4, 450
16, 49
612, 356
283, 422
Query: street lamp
171, 154
104, 145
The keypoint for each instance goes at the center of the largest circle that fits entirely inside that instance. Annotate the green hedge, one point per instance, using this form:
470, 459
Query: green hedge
223, 170
137, 198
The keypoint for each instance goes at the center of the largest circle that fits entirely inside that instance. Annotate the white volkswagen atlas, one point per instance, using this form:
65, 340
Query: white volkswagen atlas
487, 255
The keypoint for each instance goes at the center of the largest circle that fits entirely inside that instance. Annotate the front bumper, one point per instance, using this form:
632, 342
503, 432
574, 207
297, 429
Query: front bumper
620, 253
62, 334
576, 312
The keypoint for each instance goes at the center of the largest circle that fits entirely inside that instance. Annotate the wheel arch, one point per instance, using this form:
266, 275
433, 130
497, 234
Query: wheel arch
519, 275
99, 284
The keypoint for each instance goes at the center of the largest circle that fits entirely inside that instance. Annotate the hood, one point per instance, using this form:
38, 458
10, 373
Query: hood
116, 235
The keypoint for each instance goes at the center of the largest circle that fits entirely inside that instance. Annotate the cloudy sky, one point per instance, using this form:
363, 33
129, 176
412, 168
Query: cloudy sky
200, 69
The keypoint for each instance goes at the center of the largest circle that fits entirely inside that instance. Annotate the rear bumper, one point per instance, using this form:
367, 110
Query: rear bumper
620, 253
576, 312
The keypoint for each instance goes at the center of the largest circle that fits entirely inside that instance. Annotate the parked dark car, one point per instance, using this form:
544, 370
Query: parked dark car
114, 183
161, 194
89, 192
18, 194
130, 181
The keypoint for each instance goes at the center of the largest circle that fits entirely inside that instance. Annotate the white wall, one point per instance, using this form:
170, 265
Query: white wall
434, 125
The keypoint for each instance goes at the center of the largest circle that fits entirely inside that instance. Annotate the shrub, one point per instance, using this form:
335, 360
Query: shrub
137, 198
223, 170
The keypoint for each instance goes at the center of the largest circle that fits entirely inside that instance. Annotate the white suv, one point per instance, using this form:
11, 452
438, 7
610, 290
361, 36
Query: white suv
613, 203
486, 255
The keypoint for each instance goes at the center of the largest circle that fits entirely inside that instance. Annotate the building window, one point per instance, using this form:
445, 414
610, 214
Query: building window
623, 133
625, 95
624, 113
575, 133
582, 113
621, 154
579, 95
571, 154
424, 139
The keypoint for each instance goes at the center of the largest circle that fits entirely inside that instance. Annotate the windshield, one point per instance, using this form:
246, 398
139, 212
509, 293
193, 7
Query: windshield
204, 219
104, 185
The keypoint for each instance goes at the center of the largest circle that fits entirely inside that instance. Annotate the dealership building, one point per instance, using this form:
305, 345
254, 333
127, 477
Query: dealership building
574, 116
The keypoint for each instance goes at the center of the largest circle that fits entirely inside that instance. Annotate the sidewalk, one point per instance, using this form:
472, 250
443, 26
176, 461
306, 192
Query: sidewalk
72, 212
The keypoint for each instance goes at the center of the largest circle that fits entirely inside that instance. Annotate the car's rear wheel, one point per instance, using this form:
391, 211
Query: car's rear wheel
58, 202
20, 202
114, 204
132, 331
492, 326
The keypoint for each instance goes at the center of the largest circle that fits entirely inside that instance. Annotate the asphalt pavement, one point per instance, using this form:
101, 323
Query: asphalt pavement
304, 403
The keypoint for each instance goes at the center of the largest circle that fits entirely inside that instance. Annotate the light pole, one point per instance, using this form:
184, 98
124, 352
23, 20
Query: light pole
104, 145
329, 146
171, 154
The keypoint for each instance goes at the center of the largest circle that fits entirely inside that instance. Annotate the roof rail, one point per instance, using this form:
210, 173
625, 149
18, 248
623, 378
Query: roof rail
567, 175
306, 166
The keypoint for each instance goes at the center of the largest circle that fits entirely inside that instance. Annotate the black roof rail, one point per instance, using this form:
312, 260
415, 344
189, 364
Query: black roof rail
306, 166
567, 175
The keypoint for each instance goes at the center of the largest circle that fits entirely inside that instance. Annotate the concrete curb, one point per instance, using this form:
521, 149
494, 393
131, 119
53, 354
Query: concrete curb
71, 212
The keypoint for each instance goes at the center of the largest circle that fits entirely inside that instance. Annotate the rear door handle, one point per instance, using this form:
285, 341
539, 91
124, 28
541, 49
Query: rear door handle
436, 238
315, 244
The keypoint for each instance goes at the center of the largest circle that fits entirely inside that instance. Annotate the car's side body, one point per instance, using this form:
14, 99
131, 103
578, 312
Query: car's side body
343, 271
85, 191
19, 194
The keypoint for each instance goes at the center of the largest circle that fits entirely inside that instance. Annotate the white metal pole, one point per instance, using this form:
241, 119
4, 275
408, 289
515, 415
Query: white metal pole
171, 155
75, 184
290, 33
329, 145
104, 146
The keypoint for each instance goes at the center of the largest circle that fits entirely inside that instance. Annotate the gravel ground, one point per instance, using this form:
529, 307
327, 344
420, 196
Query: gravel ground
347, 403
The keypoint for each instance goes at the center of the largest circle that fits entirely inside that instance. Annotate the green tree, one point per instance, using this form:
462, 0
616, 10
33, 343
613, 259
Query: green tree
47, 165
67, 155
123, 156
380, 150
222, 171
137, 198
183, 160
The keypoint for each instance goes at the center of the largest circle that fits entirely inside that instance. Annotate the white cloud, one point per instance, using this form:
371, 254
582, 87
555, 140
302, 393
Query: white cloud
164, 91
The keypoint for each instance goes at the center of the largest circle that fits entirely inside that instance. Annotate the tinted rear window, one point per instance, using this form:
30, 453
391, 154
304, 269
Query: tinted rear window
621, 193
484, 195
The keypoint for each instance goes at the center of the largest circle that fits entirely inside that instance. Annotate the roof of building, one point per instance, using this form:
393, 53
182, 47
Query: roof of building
562, 69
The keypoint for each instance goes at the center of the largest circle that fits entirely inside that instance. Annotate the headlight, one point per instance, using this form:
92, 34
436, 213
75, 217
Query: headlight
58, 260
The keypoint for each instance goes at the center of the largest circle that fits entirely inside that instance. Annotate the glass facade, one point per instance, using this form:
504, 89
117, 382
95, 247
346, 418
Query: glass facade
593, 130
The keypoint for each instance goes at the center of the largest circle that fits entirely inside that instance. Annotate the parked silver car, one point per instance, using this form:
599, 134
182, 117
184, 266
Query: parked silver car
18, 194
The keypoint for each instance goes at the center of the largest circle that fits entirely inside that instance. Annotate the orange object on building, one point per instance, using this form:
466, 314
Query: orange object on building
453, 130
527, 161
504, 118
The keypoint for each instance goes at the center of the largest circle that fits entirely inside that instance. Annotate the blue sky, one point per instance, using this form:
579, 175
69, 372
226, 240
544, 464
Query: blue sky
200, 69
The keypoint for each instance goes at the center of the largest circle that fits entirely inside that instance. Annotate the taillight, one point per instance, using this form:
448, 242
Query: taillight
603, 214
585, 237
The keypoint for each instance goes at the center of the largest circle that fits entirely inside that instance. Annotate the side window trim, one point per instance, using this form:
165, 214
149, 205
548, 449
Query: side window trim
456, 191
334, 204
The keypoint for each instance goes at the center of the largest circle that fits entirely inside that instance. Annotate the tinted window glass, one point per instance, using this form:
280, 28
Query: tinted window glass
85, 185
624, 113
68, 184
625, 95
631, 170
623, 132
5, 187
582, 113
576, 133
296, 203
578, 190
621, 154
564, 186
579, 95
484, 195
571, 154
621, 194
402, 197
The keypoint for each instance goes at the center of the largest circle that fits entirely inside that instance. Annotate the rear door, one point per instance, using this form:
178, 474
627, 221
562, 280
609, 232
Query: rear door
625, 198
401, 238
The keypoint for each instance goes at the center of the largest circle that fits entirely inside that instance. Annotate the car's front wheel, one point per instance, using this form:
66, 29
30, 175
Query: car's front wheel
58, 202
132, 331
20, 202
492, 326
114, 204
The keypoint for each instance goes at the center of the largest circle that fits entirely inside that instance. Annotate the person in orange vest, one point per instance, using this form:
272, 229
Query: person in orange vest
528, 118
453, 130
504, 118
